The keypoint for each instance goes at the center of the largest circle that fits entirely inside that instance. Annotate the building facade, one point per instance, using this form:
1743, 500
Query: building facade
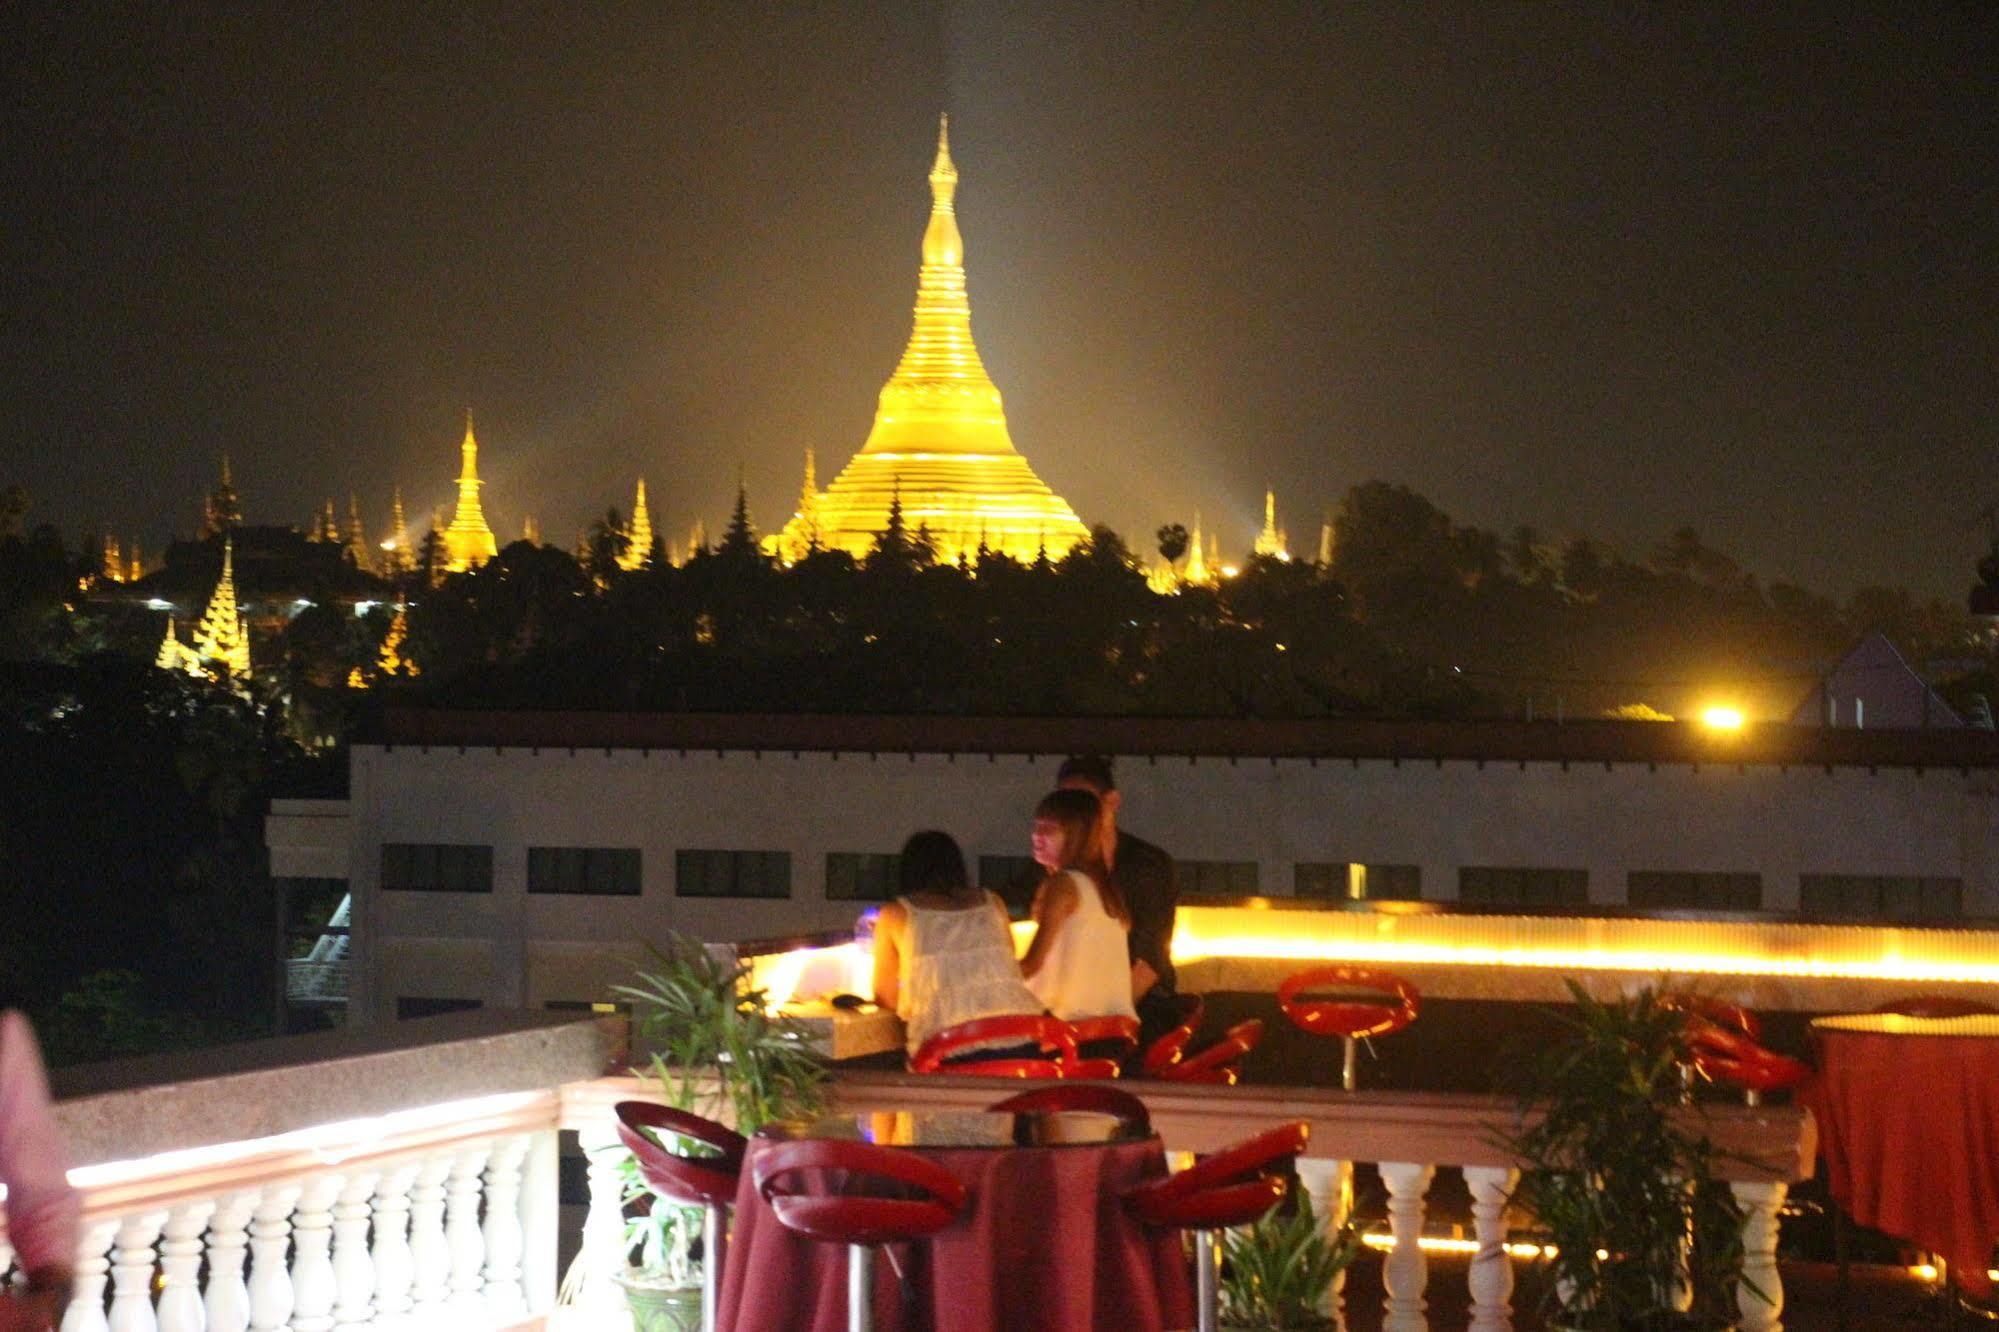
492, 862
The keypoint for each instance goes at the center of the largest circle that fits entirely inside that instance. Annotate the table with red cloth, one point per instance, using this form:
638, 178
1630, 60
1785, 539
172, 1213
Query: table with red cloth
1908, 1112
1043, 1242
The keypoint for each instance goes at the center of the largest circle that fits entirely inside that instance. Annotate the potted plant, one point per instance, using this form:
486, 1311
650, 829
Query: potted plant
713, 1048
1277, 1272
1620, 1181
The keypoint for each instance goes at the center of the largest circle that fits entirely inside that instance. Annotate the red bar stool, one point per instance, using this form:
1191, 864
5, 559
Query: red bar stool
1221, 1063
1350, 1019
1755, 1070
1165, 1052
787, 1172
707, 1182
1114, 1037
1717, 1032
1077, 1096
1230, 1188
1058, 1048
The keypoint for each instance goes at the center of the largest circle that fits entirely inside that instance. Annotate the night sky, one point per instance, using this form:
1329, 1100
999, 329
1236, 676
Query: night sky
1728, 267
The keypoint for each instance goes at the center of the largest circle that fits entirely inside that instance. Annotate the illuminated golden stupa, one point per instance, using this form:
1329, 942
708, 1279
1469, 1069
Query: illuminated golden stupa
468, 542
939, 442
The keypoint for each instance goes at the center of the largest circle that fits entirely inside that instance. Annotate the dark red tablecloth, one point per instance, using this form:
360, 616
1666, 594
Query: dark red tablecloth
1043, 1243
1909, 1123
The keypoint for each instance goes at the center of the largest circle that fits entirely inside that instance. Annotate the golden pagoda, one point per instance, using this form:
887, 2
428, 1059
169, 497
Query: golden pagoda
356, 535
1197, 566
468, 541
397, 557
639, 533
220, 640
1272, 540
391, 661
940, 438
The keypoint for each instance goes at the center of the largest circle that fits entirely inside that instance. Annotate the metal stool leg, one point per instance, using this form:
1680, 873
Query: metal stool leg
1347, 1068
860, 1288
715, 1252
1207, 1279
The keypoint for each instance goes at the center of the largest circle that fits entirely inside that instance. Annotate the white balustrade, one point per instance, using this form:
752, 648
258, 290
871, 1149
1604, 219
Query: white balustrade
226, 1301
1760, 1297
464, 1239
1405, 1272
93, 1263
505, 1240
430, 1256
1329, 1184
394, 1267
312, 1247
180, 1268
353, 1266
132, 1273
603, 1253
1490, 1280
270, 1241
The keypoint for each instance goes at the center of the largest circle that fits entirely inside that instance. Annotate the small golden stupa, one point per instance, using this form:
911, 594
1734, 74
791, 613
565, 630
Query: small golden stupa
940, 442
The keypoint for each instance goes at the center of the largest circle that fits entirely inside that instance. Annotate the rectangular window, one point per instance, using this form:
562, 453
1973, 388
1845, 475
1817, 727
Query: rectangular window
1491, 885
1217, 878
430, 867
861, 876
732, 873
1351, 881
592, 871
1880, 896
1680, 890
418, 1006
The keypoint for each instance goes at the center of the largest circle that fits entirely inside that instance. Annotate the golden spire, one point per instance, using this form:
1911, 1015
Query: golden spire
530, 529
391, 660
1270, 541
397, 558
221, 637
1326, 541
468, 541
640, 532
1197, 567
940, 431
357, 538
800, 536
173, 654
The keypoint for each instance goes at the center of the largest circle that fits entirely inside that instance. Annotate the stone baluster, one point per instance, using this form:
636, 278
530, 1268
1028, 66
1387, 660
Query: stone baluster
93, 1261
1404, 1270
226, 1302
394, 1270
312, 1267
505, 1300
270, 1278
462, 1235
603, 1251
353, 1268
1490, 1280
1329, 1184
132, 1273
1760, 1297
541, 1220
430, 1257
180, 1268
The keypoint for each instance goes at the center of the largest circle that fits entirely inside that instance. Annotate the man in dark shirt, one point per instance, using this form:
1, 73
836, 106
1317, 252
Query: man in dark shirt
1144, 875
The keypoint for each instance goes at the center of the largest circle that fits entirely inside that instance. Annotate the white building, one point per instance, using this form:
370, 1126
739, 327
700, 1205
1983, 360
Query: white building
521, 860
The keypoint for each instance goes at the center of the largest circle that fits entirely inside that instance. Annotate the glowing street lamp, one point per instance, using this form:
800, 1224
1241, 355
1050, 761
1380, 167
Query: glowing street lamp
1720, 717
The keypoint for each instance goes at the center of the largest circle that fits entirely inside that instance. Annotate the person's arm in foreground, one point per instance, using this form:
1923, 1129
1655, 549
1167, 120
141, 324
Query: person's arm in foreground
42, 1208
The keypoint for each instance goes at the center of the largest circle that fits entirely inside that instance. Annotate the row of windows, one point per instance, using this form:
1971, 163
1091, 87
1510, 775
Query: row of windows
871, 877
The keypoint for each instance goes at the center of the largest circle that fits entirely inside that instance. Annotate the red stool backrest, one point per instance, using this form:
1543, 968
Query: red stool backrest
1230, 1188
1111, 1027
1721, 1013
787, 1173
1057, 1044
1398, 1007
1077, 1096
1755, 1069
1218, 1064
698, 1180
1167, 1050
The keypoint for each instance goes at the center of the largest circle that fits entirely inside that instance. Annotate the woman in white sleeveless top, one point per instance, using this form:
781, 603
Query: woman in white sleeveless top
1078, 965
943, 950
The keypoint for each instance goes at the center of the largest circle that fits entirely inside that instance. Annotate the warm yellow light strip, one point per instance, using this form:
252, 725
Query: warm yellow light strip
1464, 1247
1571, 944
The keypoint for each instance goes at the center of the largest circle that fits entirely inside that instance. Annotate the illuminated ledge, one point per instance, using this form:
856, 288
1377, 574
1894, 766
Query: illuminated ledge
1772, 963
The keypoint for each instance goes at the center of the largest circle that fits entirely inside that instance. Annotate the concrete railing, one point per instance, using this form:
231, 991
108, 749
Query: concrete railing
401, 1178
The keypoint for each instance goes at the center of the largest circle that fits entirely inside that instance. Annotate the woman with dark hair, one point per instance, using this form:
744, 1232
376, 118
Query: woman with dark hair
1078, 964
943, 951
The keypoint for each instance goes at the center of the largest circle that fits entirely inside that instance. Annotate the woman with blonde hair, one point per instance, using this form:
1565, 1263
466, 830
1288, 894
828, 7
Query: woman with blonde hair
1078, 964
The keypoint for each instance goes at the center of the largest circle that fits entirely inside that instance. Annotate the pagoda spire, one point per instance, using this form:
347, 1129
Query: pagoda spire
221, 637
639, 535
1197, 565
357, 537
468, 541
940, 428
1270, 541
397, 557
